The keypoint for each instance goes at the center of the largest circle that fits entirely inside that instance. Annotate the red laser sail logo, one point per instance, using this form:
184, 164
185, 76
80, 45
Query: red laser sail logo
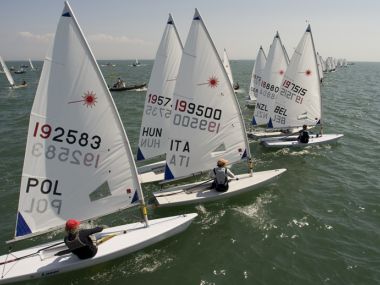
89, 99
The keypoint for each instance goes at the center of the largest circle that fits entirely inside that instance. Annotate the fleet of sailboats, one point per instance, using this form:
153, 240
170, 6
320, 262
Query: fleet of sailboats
299, 101
206, 124
78, 159
78, 163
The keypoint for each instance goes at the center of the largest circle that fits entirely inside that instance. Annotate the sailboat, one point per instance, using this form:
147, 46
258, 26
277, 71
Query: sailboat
256, 77
78, 164
154, 130
31, 65
11, 81
299, 101
136, 63
320, 67
227, 66
206, 125
269, 88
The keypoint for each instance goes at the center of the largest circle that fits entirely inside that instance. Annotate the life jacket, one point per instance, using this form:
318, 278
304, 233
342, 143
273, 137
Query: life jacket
221, 179
304, 137
75, 243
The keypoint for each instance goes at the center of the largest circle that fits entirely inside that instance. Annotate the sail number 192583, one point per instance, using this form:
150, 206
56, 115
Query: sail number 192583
59, 134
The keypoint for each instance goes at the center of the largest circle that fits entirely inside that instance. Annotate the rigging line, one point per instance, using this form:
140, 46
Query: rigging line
31, 254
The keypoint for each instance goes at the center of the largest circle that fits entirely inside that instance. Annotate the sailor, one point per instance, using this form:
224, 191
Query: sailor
118, 83
220, 175
81, 242
303, 135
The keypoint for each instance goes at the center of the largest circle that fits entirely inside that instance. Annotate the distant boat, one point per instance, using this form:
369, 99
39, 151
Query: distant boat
9, 76
127, 87
31, 65
299, 101
256, 77
84, 168
20, 71
227, 66
136, 63
108, 64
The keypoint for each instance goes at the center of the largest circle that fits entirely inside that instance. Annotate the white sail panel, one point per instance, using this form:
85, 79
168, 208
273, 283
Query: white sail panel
226, 64
206, 121
299, 100
320, 67
156, 116
7, 72
274, 71
257, 74
31, 64
78, 163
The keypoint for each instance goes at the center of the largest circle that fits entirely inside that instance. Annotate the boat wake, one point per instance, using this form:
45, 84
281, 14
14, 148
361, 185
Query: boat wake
257, 212
208, 219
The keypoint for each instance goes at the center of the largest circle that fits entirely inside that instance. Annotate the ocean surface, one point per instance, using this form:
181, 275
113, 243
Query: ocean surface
319, 223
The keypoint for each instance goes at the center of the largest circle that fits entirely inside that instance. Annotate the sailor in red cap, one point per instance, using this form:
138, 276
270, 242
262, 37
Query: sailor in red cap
81, 242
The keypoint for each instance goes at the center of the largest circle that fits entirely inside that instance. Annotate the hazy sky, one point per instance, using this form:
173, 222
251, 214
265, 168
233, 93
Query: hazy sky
126, 29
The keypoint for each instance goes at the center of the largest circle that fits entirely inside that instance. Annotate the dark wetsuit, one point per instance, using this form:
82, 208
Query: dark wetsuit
304, 136
81, 244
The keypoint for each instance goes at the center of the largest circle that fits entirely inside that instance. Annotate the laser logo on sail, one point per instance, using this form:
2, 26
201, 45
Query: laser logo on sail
89, 99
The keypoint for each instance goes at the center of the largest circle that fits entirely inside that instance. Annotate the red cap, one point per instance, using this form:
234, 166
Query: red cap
72, 224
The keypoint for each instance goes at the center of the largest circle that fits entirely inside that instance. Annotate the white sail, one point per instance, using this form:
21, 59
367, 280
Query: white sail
7, 72
31, 65
156, 116
299, 100
323, 64
257, 73
273, 73
78, 162
206, 121
320, 67
226, 64
286, 55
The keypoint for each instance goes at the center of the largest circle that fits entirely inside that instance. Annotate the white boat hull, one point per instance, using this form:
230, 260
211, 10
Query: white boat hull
136, 237
18, 86
152, 172
250, 103
200, 192
293, 142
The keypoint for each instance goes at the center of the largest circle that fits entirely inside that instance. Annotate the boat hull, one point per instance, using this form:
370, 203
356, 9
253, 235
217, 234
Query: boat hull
200, 192
250, 103
130, 87
152, 172
135, 237
293, 142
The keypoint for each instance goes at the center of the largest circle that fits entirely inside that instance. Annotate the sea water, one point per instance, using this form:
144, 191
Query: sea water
319, 223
